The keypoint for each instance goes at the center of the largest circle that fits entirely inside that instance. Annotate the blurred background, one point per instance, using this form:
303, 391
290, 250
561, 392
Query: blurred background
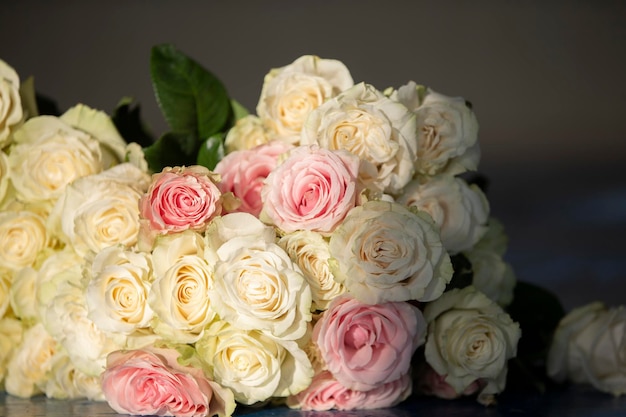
546, 79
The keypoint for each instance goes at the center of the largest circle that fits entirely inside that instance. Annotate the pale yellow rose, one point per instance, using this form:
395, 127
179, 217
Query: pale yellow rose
588, 347
6, 277
117, 292
4, 176
247, 133
470, 338
461, 211
47, 155
309, 250
290, 93
136, 157
100, 210
379, 131
67, 382
23, 237
252, 364
32, 360
183, 281
23, 295
11, 332
447, 131
385, 252
258, 287
11, 113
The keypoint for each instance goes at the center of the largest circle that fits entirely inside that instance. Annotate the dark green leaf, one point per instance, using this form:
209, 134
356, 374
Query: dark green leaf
172, 149
127, 120
211, 151
191, 98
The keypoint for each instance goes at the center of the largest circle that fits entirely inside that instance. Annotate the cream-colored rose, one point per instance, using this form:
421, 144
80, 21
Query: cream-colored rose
23, 237
588, 347
290, 93
23, 295
232, 225
136, 157
247, 133
183, 281
4, 176
460, 210
495, 239
385, 252
11, 332
11, 113
117, 292
470, 338
101, 210
258, 287
309, 250
6, 277
492, 275
447, 131
29, 366
67, 382
252, 364
373, 127
48, 154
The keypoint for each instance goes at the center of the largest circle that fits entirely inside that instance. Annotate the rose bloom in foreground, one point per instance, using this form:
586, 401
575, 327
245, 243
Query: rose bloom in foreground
151, 382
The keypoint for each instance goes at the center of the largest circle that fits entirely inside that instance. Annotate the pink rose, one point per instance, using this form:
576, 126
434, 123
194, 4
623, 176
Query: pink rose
178, 199
151, 382
364, 345
313, 189
430, 382
326, 393
243, 173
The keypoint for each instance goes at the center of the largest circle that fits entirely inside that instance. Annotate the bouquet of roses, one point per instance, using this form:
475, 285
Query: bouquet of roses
333, 251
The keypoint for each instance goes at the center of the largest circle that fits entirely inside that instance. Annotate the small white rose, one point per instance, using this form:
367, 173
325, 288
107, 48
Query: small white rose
384, 252
309, 250
460, 210
290, 93
492, 275
67, 382
470, 338
258, 287
588, 347
379, 131
11, 332
23, 237
247, 133
23, 295
252, 364
11, 113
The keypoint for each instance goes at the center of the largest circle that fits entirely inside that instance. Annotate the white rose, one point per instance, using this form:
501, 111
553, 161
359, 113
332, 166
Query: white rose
23, 295
4, 175
252, 364
247, 133
588, 348
23, 237
492, 275
232, 225
47, 155
179, 295
447, 132
309, 250
290, 93
29, 366
373, 127
117, 292
460, 210
258, 287
6, 277
11, 114
101, 210
384, 252
11, 332
67, 382
470, 338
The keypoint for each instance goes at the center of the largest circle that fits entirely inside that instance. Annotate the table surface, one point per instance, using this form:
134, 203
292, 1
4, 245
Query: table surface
574, 401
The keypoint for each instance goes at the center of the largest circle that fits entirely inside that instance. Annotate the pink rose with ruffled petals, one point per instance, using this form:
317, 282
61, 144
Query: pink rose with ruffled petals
364, 345
243, 173
178, 199
313, 189
326, 393
151, 382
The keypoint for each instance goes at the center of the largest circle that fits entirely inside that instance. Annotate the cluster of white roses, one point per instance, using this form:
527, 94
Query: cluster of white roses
310, 265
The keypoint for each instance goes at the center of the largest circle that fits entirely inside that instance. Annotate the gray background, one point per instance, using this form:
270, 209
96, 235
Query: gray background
546, 80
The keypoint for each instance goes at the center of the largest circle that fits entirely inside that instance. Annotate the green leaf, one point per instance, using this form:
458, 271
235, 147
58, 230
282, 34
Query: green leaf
127, 120
211, 151
239, 111
172, 149
191, 98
